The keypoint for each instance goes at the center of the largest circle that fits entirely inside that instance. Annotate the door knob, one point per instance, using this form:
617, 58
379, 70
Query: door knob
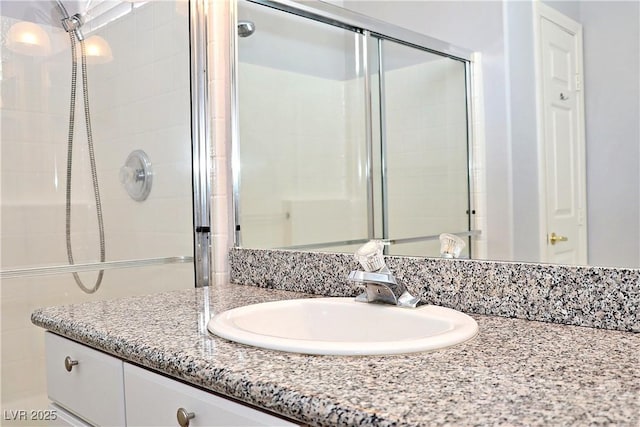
553, 238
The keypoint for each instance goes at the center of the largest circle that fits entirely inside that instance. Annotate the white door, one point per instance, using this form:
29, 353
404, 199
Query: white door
562, 143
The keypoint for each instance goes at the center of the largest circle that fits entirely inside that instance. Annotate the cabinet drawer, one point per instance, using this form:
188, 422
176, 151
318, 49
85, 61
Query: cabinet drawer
64, 418
154, 400
92, 389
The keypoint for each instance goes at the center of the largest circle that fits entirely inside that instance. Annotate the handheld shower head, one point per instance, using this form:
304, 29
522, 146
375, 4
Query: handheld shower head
71, 23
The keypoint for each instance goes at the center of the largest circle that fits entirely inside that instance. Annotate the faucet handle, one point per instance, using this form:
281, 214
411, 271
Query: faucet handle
370, 255
451, 246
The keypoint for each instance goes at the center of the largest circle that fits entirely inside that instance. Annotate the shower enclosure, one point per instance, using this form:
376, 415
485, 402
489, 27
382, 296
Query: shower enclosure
139, 84
348, 129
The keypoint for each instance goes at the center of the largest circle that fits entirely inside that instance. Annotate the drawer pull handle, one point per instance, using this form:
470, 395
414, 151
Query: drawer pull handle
69, 363
184, 417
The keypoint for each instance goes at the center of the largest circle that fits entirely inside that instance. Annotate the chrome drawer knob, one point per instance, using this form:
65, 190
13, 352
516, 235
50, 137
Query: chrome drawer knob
69, 363
184, 417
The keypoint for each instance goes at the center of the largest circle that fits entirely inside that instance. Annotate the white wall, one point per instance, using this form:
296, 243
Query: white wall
612, 97
140, 100
523, 131
611, 87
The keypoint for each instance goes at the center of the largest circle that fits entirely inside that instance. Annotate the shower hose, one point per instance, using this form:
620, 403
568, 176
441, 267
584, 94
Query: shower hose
92, 159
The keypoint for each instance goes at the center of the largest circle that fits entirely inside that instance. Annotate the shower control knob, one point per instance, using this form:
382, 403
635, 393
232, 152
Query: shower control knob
136, 176
69, 363
126, 174
184, 417
129, 174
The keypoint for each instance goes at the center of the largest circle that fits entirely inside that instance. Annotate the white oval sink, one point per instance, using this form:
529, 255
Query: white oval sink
342, 326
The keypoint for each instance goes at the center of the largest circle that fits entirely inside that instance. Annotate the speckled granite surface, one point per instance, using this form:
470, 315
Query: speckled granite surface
515, 372
587, 296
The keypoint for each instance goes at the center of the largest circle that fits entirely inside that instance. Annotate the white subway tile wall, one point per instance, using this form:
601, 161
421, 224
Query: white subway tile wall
427, 152
478, 168
299, 174
219, 50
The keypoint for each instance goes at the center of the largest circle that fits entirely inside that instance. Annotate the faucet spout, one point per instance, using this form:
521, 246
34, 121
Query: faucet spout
382, 287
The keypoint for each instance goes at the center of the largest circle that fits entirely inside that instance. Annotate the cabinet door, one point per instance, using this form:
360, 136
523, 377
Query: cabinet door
154, 400
90, 384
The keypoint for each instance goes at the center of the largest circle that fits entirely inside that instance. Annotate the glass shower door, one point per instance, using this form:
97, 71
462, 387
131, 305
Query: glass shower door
302, 178
138, 81
346, 134
424, 145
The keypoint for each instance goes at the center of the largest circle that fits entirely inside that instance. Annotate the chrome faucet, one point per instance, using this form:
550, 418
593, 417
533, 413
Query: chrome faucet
380, 285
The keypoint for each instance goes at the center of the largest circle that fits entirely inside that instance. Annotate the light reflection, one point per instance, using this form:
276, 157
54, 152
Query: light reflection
27, 38
98, 50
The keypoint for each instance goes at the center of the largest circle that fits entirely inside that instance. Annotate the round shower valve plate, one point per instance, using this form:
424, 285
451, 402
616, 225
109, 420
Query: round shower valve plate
136, 175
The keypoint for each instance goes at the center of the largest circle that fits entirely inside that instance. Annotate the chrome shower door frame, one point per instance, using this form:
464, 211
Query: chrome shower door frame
200, 142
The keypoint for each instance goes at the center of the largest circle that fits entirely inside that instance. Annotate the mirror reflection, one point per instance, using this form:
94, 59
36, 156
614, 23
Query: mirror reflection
309, 167
369, 135
300, 181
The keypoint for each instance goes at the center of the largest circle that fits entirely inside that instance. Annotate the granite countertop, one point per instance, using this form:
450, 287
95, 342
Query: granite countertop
515, 372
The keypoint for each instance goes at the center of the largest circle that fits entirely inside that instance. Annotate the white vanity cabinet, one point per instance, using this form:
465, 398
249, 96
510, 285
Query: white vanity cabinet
155, 400
87, 386
85, 382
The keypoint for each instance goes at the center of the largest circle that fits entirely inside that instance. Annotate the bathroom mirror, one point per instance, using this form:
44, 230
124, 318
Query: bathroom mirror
504, 36
356, 122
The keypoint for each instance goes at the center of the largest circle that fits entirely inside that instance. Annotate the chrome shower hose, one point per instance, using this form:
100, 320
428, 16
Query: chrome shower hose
92, 159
